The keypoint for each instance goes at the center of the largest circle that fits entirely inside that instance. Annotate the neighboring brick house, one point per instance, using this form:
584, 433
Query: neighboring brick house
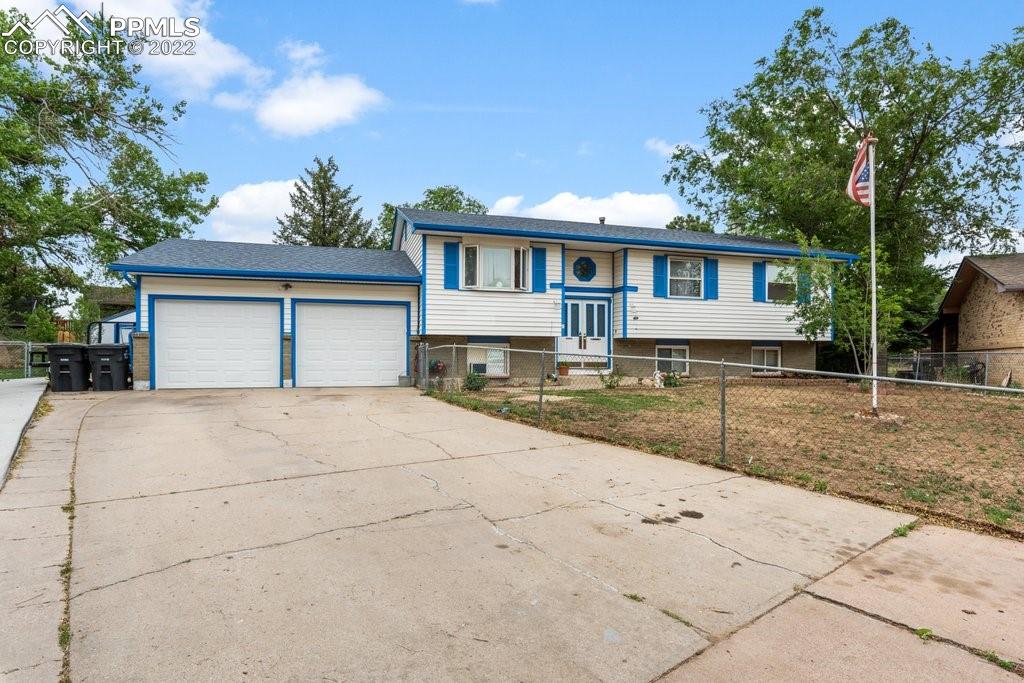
983, 310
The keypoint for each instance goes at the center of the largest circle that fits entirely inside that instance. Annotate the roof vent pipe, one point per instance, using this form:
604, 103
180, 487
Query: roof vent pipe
601, 220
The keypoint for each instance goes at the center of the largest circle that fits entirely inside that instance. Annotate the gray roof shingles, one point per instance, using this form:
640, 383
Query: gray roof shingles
201, 256
604, 232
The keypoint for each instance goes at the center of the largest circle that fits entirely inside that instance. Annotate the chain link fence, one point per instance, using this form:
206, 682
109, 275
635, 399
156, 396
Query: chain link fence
17, 360
986, 368
946, 448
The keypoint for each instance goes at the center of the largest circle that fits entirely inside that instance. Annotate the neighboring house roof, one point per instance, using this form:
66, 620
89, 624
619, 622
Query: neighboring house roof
201, 257
519, 226
1006, 270
112, 318
109, 296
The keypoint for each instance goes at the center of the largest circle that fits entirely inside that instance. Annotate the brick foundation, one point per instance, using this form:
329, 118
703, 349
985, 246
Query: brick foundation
140, 360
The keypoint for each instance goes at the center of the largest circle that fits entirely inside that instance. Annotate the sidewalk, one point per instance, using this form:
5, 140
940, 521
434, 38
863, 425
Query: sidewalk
18, 398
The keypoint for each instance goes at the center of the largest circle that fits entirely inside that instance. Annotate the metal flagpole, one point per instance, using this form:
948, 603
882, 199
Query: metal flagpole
874, 295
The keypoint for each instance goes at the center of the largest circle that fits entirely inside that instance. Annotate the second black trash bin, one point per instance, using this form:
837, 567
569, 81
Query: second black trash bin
109, 366
69, 367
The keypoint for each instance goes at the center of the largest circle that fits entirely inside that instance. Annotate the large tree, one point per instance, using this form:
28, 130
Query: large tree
325, 214
778, 151
440, 198
81, 179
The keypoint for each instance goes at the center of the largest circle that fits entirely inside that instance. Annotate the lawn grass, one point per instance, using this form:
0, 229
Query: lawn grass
19, 373
952, 455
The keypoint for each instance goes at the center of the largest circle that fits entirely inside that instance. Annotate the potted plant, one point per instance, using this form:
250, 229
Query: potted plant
563, 368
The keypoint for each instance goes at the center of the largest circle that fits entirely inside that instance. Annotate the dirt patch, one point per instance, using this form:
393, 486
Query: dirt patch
955, 457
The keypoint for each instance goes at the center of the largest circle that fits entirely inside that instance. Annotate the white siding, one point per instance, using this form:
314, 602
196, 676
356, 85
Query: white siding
413, 246
603, 261
734, 315
478, 312
190, 286
617, 297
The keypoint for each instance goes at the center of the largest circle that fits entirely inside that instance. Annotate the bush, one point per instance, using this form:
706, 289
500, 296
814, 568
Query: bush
671, 380
611, 380
39, 326
474, 382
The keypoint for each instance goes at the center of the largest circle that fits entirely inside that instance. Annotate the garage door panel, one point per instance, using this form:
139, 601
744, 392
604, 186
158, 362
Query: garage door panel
350, 345
211, 344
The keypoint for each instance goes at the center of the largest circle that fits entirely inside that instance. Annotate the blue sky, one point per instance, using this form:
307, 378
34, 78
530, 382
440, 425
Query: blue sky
558, 109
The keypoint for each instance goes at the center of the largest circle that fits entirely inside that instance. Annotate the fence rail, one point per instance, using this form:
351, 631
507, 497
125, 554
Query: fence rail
939, 444
987, 368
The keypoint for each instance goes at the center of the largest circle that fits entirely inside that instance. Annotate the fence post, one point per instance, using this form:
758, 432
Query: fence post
28, 354
540, 391
986, 369
721, 412
424, 369
452, 370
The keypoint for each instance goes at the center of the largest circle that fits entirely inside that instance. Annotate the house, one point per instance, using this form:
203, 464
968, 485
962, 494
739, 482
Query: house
213, 314
114, 329
983, 312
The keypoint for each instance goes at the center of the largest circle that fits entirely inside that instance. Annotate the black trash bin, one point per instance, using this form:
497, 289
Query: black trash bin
109, 366
69, 367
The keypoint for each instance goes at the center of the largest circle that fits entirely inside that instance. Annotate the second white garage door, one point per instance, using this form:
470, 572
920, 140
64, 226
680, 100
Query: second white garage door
349, 345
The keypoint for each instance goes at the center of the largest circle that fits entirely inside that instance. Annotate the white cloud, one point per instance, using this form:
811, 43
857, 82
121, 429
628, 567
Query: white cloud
659, 147
302, 54
623, 208
311, 103
214, 61
236, 101
246, 213
585, 149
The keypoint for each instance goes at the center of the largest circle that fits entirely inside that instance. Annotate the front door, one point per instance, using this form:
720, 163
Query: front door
586, 341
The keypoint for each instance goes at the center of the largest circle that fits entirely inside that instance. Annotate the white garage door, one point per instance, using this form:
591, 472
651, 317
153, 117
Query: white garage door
209, 344
346, 345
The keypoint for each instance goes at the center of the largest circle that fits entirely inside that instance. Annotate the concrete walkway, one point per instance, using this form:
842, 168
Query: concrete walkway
340, 534
18, 398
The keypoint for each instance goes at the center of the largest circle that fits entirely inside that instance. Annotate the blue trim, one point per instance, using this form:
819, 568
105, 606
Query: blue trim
564, 321
601, 290
625, 293
659, 265
281, 275
488, 340
128, 278
760, 283
451, 264
671, 342
539, 269
352, 302
710, 285
153, 298
571, 237
138, 304
423, 286
555, 285
766, 343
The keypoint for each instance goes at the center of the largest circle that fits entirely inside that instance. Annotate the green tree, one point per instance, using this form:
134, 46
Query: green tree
325, 214
83, 313
440, 198
834, 297
80, 183
691, 223
780, 149
39, 326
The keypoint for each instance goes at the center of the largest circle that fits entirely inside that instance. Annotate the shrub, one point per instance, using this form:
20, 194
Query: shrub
474, 382
671, 379
611, 380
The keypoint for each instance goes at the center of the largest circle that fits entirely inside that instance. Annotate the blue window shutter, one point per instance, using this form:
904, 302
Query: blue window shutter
539, 257
710, 278
760, 281
803, 288
451, 265
661, 275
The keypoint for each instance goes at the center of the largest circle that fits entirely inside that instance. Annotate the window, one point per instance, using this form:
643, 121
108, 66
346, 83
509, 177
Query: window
770, 356
492, 360
405, 230
675, 359
495, 267
469, 258
685, 277
781, 285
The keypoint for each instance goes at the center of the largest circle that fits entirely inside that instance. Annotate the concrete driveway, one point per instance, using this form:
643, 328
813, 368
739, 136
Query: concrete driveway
372, 534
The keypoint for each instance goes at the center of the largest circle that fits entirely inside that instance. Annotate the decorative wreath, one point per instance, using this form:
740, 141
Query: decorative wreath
584, 269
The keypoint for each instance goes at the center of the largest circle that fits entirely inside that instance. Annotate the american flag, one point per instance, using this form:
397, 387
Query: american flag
858, 187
